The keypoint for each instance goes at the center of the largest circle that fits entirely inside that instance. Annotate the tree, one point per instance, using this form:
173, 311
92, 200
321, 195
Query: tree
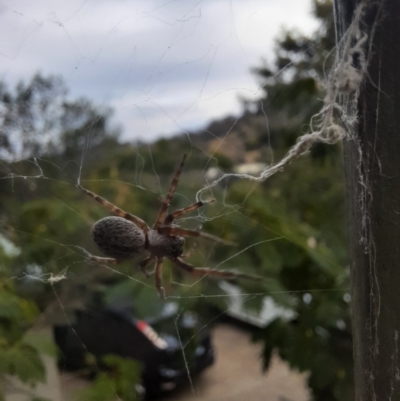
38, 120
319, 339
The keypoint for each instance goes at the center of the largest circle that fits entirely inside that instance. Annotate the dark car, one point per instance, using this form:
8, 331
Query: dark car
166, 343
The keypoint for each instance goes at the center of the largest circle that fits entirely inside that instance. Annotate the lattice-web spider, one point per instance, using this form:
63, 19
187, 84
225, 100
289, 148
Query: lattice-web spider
122, 236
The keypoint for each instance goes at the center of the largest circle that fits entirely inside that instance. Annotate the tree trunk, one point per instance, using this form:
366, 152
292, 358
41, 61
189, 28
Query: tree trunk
372, 169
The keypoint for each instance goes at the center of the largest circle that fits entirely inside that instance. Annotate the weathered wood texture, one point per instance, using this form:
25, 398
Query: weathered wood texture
372, 169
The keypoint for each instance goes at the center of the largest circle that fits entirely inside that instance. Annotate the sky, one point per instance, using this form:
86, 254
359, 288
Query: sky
164, 66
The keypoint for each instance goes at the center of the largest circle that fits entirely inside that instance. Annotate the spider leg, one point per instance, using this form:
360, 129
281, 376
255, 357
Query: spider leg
98, 259
144, 263
116, 210
206, 271
158, 278
188, 254
182, 232
167, 200
171, 217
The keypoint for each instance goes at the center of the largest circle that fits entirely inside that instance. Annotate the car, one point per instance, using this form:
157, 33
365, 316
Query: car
169, 344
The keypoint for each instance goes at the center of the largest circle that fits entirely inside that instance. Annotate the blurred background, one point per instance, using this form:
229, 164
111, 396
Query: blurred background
111, 95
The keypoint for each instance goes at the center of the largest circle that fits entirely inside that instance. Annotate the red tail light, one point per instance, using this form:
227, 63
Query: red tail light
149, 332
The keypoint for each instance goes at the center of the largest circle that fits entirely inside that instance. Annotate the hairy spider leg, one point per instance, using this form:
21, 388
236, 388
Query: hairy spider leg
98, 259
206, 271
116, 210
167, 200
188, 254
158, 278
183, 232
144, 263
171, 217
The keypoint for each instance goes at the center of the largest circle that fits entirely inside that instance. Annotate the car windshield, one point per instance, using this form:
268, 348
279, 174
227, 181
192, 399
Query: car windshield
138, 301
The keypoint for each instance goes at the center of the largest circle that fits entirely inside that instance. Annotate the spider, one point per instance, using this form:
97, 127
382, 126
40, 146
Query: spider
124, 235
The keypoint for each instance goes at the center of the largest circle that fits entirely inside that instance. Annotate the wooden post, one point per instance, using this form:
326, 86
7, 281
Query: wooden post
372, 169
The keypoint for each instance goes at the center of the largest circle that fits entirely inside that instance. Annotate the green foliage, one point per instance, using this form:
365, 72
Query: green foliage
120, 380
103, 389
19, 356
23, 361
37, 119
305, 206
308, 262
41, 343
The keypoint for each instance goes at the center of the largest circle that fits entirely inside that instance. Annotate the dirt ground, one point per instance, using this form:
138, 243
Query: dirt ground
235, 376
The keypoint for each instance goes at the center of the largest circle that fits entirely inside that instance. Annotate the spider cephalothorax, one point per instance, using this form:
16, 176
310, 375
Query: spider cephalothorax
162, 246
123, 236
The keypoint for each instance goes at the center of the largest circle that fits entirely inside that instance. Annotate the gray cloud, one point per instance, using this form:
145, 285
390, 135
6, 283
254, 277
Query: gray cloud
163, 65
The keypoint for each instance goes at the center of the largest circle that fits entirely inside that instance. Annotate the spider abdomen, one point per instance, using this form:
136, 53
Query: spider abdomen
118, 238
161, 245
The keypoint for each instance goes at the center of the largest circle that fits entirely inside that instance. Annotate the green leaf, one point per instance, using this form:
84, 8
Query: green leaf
127, 374
13, 307
23, 361
119, 381
103, 389
42, 343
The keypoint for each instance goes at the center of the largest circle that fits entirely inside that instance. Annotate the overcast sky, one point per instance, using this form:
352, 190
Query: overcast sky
163, 65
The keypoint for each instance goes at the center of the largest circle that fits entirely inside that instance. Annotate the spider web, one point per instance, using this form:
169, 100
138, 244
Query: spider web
175, 59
